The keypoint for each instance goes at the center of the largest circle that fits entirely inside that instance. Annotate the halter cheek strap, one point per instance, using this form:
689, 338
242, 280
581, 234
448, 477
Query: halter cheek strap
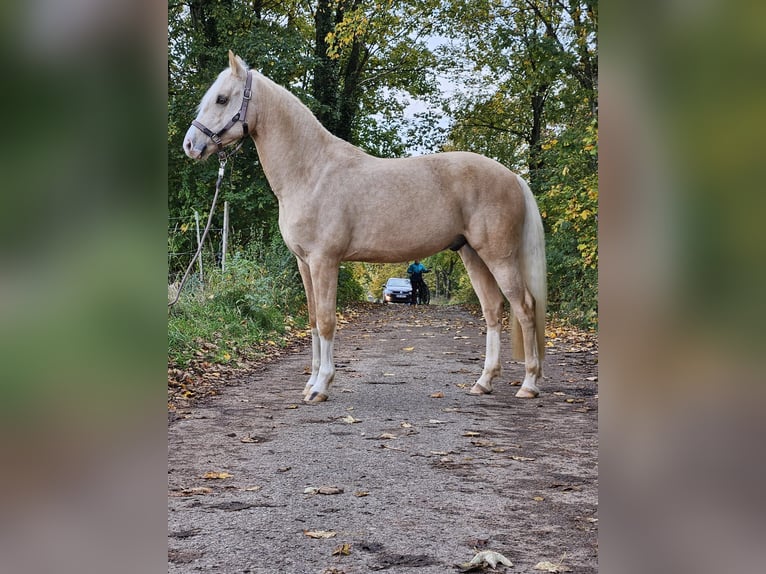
241, 114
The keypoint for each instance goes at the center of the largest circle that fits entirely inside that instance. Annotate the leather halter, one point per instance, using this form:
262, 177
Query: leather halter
240, 115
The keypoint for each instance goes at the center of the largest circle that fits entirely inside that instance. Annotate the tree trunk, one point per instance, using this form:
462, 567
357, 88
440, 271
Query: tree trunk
325, 87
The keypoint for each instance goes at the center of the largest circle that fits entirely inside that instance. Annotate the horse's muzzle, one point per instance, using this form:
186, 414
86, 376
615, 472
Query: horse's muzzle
195, 150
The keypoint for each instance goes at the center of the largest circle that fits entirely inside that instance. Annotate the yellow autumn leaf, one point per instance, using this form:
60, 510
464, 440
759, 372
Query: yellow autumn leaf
342, 550
216, 475
408, 349
320, 533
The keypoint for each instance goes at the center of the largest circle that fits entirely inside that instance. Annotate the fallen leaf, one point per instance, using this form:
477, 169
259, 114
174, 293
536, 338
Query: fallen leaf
538, 498
591, 379
216, 475
348, 419
408, 349
559, 394
342, 550
194, 491
491, 558
252, 488
438, 395
499, 449
250, 439
291, 407
320, 533
482, 442
547, 566
405, 425
436, 422
387, 436
522, 458
471, 433
361, 493
330, 490
284, 468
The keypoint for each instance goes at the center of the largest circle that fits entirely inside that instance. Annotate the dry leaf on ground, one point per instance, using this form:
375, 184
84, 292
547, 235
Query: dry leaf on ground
323, 490
350, 420
320, 533
194, 491
216, 475
547, 566
491, 558
342, 550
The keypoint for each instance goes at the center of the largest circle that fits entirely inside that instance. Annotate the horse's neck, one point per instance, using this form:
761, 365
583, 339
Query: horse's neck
292, 144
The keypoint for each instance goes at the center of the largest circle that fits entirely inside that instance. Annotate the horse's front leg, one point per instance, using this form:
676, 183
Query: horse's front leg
324, 278
310, 303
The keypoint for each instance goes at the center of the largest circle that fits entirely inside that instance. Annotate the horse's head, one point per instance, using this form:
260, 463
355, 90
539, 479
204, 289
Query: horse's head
221, 109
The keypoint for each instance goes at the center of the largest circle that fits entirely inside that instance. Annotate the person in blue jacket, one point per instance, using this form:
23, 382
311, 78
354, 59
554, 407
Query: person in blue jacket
415, 271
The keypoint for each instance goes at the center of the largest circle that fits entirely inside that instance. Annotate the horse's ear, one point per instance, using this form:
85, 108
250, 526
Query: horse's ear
236, 64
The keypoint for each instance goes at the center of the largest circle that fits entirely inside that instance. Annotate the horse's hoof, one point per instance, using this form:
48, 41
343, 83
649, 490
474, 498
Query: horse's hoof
315, 398
478, 389
525, 393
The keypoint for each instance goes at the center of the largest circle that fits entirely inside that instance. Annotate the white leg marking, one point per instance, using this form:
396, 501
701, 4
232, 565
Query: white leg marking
529, 388
491, 363
315, 360
319, 390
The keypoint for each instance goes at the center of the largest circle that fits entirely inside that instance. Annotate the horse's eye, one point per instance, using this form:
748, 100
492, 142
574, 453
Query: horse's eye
221, 100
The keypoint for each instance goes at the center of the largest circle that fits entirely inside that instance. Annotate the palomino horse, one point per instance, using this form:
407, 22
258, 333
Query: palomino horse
337, 203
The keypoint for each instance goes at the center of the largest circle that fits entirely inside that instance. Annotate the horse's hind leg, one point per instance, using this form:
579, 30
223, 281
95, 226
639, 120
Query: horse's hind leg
508, 276
491, 300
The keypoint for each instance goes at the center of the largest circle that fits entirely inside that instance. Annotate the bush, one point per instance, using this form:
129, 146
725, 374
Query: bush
257, 298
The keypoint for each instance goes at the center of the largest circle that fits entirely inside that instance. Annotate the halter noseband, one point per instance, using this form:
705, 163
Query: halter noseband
241, 114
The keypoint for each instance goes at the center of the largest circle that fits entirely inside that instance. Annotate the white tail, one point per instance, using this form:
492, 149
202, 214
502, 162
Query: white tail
534, 270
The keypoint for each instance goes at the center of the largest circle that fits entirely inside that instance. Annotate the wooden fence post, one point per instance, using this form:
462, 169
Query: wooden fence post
225, 234
199, 241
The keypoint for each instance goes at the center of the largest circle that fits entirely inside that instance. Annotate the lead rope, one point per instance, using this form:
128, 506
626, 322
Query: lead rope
207, 228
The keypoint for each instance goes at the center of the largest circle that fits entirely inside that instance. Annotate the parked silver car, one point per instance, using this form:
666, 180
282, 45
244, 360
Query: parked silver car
397, 290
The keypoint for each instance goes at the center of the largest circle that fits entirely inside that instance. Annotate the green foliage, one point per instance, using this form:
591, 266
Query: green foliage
529, 73
258, 296
349, 288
